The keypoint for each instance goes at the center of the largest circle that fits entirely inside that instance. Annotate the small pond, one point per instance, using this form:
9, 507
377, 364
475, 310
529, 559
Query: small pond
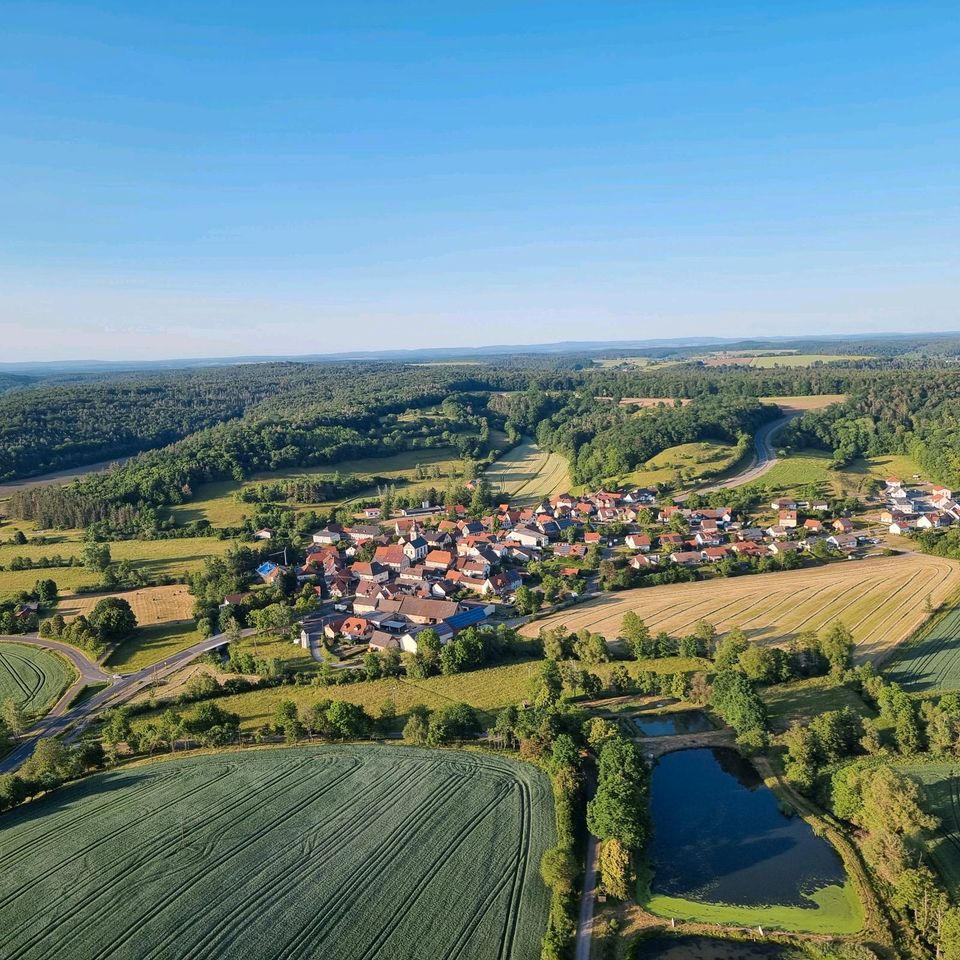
668, 724
708, 948
719, 836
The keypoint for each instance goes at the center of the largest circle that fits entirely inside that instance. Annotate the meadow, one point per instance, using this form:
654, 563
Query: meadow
932, 660
685, 461
345, 852
34, 678
528, 474
770, 360
149, 645
883, 601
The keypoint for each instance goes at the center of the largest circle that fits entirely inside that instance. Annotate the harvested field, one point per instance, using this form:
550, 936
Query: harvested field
932, 661
882, 601
33, 677
817, 402
339, 852
528, 474
150, 605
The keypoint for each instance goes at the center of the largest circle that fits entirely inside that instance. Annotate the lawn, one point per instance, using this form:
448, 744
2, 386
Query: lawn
878, 599
932, 660
33, 677
340, 852
151, 644
527, 474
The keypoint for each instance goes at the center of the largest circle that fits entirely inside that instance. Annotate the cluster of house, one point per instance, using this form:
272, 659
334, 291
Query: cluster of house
446, 574
917, 507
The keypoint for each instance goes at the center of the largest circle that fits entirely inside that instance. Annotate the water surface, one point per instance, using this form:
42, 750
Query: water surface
668, 724
719, 836
708, 948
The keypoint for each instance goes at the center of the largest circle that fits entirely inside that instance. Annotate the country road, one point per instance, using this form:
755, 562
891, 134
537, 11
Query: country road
764, 457
63, 718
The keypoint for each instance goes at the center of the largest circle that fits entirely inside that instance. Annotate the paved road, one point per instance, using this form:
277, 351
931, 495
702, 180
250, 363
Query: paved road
764, 456
588, 896
75, 719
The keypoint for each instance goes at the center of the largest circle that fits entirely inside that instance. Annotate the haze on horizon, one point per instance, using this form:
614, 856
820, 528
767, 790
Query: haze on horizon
223, 179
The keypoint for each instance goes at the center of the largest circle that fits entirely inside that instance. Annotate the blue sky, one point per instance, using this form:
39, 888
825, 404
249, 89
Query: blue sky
184, 179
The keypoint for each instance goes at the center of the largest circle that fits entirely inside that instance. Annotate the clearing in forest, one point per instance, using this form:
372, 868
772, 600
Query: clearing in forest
340, 852
883, 601
527, 474
33, 677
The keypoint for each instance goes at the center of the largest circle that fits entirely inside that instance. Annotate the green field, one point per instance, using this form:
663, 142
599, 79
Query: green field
812, 467
527, 474
151, 644
33, 677
932, 661
800, 359
941, 797
684, 462
802, 700
334, 852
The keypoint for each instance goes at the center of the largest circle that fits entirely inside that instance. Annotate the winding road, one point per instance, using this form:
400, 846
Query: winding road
764, 457
63, 718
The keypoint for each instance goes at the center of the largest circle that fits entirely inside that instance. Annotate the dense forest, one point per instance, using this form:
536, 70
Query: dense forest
188, 427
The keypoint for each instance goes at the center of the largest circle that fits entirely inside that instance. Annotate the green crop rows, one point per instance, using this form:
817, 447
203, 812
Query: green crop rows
932, 662
352, 852
33, 677
941, 797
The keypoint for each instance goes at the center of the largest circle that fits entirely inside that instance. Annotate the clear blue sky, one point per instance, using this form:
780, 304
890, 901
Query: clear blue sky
216, 178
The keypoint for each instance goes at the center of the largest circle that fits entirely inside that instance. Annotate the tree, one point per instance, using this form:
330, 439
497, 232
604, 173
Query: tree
96, 556
13, 717
591, 648
619, 807
547, 685
759, 664
417, 726
729, 649
557, 643
347, 720
559, 868
614, 865
372, 668
836, 645
526, 600
45, 592
113, 619
286, 720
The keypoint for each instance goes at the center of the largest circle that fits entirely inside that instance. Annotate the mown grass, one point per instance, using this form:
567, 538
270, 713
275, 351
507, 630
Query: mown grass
33, 677
149, 645
801, 700
833, 909
528, 474
179, 852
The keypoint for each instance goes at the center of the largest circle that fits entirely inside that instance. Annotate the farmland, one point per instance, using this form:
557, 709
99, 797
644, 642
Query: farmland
769, 360
805, 402
932, 661
32, 677
941, 797
528, 474
150, 605
354, 851
877, 599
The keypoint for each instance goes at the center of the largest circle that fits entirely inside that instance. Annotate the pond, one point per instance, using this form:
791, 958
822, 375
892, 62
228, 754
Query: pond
668, 724
708, 948
719, 836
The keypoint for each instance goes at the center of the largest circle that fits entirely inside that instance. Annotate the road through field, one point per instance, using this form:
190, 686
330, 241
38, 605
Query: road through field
882, 600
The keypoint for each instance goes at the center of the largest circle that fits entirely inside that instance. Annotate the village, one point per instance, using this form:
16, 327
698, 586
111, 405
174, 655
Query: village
382, 581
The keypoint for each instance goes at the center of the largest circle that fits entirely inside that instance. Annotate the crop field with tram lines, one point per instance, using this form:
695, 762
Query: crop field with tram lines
883, 601
343, 852
941, 797
34, 678
528, 474
932, 661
